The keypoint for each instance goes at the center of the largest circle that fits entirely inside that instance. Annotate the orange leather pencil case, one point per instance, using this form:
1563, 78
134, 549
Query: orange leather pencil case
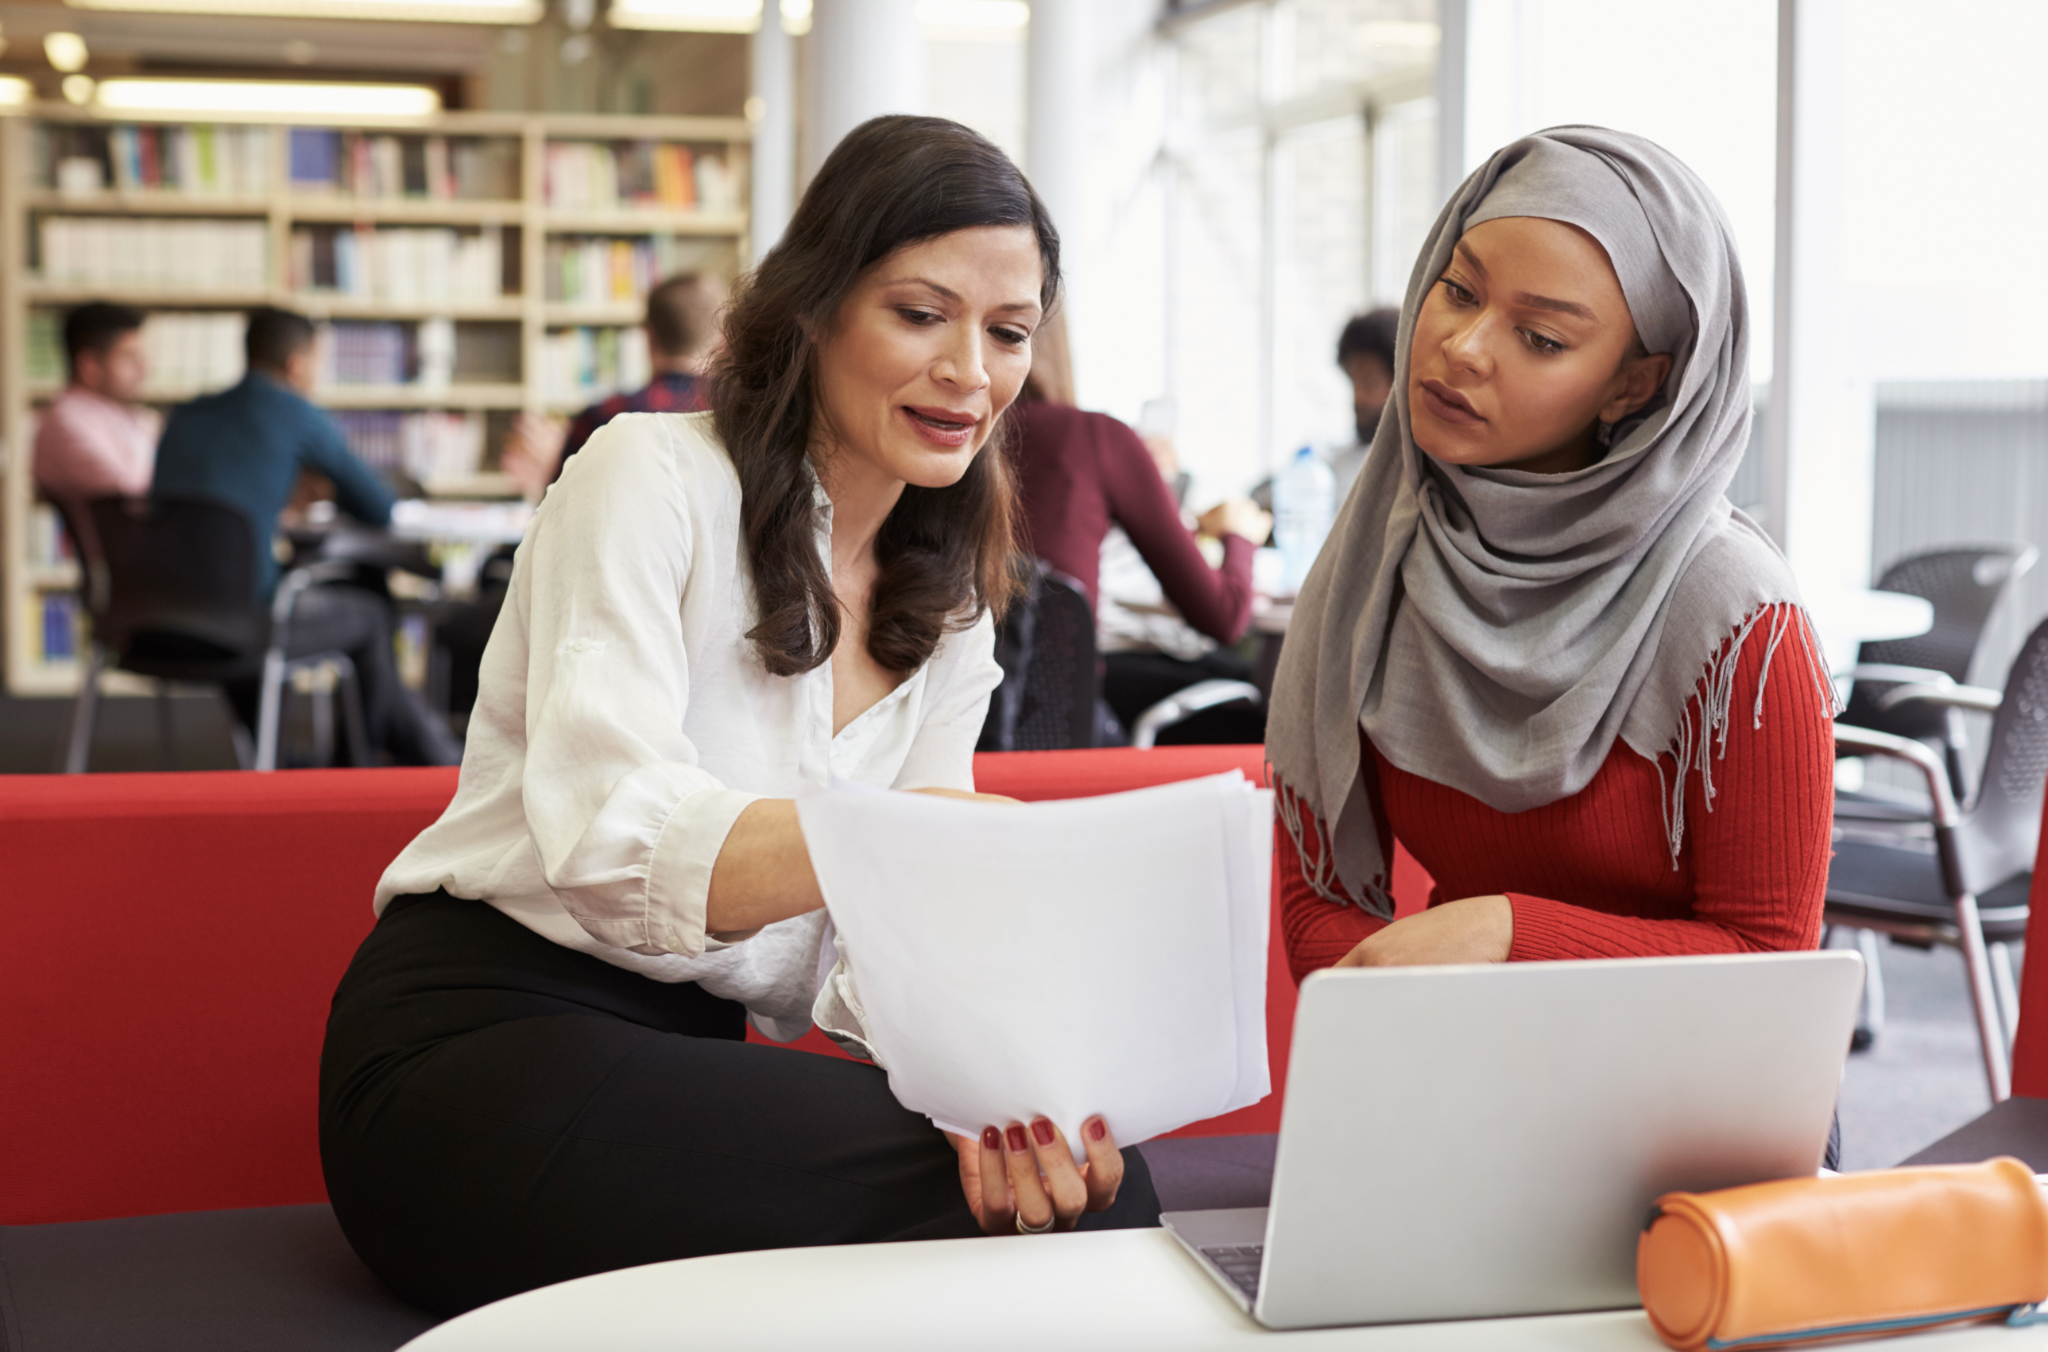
1848, 1256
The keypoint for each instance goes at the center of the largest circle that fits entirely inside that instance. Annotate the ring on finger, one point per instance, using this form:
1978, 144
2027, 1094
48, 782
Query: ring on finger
1024, 1229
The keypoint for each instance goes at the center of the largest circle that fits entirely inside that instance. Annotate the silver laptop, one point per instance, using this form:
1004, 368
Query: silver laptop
1461, 1142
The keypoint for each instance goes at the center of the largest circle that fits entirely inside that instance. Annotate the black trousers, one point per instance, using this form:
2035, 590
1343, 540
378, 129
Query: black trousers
498, 1113
358, 623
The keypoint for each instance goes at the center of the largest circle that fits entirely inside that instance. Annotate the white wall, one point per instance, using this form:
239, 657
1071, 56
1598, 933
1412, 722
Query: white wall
1945, 189
1696, 76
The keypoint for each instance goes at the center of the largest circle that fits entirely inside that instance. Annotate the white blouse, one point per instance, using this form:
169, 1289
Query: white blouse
623, 722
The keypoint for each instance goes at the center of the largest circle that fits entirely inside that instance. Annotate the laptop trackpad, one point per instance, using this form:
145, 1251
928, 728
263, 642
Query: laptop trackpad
1236, 1225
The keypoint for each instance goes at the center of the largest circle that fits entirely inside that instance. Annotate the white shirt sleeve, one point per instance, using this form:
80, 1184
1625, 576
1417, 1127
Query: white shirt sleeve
626, 823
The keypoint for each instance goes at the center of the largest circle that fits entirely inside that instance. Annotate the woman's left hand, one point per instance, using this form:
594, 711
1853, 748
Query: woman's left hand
1476, 929
1022, 1178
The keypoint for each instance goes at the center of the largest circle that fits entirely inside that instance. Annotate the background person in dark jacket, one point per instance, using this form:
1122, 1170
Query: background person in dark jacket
247, 447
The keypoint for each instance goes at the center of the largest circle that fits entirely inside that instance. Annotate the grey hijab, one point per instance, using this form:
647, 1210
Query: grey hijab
1495, 630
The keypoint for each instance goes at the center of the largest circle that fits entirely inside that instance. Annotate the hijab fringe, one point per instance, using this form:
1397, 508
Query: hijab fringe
1320, 872
1700, 742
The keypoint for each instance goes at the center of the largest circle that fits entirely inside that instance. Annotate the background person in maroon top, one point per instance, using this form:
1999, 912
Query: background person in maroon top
1080, 473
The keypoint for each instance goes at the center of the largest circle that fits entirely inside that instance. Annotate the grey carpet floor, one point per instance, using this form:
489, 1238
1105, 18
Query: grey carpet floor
1925, 1076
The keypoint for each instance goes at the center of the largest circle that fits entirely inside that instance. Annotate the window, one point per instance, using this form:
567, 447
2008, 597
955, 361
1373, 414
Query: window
1300, 182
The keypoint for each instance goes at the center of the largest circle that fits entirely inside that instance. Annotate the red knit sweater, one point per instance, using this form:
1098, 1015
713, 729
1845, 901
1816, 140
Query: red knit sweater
1591, 876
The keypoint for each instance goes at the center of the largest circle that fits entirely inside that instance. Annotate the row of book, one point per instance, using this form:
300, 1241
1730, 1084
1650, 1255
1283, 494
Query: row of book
43, 358
421, 447
184, 351
194, 351
584, 365
155, 254
201, 160
410, 265
441, 168
600, 270
605, 176
381, 353
63, 626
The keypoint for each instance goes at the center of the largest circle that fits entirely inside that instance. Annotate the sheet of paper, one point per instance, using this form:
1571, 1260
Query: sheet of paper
1100, 955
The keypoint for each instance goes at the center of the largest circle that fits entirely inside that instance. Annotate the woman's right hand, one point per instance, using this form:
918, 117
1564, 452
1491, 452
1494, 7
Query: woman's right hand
1022, 1179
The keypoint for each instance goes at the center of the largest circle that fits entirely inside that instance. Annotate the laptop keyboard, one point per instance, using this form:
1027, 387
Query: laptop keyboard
1239, 1262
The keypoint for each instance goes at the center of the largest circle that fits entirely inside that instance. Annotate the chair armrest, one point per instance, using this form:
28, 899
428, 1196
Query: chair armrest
1867, 742
294, 584
1949, 695
1184, 704
1891, 671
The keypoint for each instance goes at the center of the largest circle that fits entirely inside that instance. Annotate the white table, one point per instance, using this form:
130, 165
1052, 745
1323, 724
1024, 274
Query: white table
1129, 1289
1849, 617
463, 534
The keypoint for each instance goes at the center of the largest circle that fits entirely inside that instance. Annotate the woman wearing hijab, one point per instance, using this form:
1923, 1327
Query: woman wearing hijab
1541, 649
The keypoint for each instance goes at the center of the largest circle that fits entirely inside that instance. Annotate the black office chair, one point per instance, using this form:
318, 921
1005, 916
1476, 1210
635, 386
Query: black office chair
1970, 891
1965, 586
1046, 648
170, 591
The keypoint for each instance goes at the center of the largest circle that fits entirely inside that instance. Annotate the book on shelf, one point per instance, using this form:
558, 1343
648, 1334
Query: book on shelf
60, 626
600, 270
402, 264
435, 168
605, 176
48, 545
199, 160
44, 359
183, 254
584, 365
422, 447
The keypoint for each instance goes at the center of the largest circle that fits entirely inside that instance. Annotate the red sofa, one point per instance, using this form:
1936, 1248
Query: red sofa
170, 942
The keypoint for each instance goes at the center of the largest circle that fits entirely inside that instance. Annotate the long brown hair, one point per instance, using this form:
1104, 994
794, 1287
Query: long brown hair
943, 553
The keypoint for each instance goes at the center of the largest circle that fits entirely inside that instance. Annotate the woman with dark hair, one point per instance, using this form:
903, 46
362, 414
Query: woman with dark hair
534, 1068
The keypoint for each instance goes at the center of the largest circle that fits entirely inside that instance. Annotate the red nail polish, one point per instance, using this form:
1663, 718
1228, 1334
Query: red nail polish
1042, 1130
991, 1139
1096, 1130
1017, 1144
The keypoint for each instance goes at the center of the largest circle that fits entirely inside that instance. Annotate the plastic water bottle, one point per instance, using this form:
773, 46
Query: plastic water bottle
1304, 504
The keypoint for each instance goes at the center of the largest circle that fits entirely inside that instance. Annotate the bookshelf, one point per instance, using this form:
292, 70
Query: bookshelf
465, 268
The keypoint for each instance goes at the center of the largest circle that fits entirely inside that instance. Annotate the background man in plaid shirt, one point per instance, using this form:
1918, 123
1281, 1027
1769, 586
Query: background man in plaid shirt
682, 329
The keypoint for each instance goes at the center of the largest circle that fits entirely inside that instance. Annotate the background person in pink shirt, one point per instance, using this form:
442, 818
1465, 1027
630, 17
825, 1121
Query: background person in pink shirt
97, 440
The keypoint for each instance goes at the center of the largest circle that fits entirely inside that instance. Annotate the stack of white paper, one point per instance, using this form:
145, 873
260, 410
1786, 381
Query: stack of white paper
1097, 955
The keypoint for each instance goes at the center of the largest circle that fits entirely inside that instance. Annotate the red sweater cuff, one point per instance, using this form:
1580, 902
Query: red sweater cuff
1547, 931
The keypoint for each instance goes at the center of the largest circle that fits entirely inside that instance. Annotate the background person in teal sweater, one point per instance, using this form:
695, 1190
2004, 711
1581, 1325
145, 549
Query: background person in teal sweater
247, 447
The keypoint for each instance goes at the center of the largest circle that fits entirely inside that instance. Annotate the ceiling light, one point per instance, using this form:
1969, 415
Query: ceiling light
687, 16
65, 50
280, 97
78, 89
424, 11
796, 17
15, 91
973, 13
